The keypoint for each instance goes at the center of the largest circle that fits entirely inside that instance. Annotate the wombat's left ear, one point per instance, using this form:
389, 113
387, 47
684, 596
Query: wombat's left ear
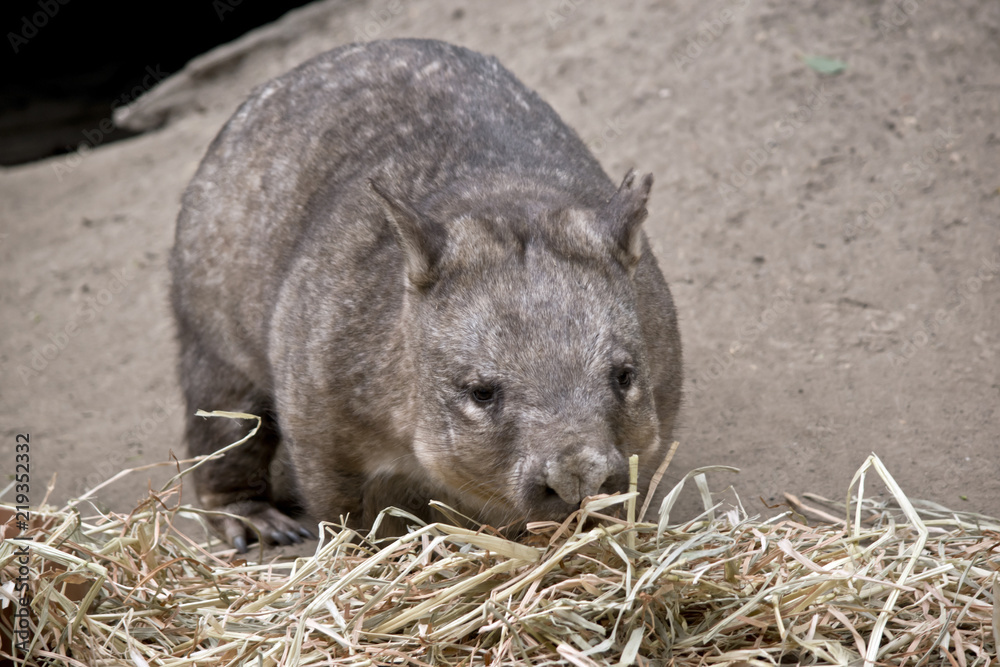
421, 240
623, 215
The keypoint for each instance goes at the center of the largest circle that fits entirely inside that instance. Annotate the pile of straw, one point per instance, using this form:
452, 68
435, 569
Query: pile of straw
907, 584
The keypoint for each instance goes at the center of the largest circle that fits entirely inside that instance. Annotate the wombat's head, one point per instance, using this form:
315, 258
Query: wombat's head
533, 386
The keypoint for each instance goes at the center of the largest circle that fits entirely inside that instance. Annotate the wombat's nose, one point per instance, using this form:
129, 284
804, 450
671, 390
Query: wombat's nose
572, 488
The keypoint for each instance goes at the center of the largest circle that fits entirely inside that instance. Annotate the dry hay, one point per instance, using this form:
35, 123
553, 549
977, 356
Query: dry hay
909, 583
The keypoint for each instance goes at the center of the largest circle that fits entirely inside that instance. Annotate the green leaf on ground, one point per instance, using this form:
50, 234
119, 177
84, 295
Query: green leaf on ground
822, 65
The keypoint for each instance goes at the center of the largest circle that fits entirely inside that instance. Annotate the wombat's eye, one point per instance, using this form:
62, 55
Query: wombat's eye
624, 378
483, 394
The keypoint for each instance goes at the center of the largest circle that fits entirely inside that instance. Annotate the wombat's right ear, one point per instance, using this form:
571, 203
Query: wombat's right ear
422, 241
624, 213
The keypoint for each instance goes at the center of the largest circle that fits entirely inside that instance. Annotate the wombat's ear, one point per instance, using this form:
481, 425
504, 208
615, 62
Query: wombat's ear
624, 213
422, 241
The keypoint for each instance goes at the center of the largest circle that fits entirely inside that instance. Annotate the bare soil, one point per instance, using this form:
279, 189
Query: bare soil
832, 241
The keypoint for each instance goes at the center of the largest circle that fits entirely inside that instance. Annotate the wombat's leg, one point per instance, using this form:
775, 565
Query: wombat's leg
238, 482
329, 485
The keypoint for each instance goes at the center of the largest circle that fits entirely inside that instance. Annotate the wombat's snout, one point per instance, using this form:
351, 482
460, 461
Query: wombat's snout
566, 481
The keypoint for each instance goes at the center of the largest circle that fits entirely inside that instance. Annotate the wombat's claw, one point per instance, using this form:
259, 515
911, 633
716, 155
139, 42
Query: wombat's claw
284, 537
275, 527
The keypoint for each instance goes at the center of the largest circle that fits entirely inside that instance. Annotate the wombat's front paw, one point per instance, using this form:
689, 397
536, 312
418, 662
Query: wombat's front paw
275, 527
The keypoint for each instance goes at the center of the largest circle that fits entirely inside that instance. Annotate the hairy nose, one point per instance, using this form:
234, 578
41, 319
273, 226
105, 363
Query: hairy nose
574, 480
571, 488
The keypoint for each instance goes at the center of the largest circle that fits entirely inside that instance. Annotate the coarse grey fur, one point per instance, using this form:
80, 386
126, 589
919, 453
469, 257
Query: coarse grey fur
425, 283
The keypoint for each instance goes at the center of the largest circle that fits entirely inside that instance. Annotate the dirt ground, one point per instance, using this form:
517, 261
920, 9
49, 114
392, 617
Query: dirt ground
832, 241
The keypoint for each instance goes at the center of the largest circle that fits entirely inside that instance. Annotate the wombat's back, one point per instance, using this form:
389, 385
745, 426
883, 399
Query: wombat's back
288, 174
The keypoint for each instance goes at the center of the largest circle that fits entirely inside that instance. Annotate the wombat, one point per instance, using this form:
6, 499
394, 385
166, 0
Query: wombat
420, 277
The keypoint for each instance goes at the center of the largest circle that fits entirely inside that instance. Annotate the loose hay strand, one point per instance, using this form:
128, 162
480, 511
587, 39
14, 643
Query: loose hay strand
654, 481
901, 582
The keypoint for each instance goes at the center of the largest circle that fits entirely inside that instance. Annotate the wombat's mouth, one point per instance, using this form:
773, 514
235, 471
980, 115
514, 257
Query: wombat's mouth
541, 504
500, 505
502, 511
546, 505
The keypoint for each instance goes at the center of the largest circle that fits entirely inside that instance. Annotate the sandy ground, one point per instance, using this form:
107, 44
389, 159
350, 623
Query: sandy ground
833, 242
